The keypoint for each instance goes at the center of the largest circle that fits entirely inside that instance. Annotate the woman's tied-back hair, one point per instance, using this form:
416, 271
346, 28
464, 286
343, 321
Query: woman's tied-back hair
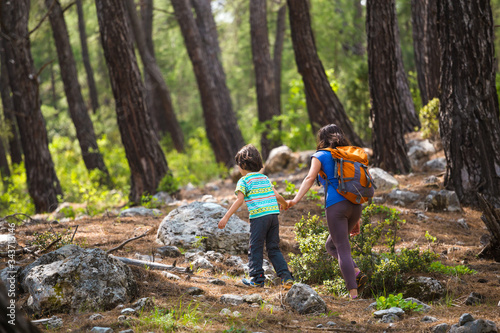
248, 158
331, 136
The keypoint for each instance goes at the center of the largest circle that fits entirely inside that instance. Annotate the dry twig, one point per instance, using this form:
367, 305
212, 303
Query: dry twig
125, 242
333, 329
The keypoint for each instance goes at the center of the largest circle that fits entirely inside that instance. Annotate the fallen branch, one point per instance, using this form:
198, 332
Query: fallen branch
48, 246
18, 252
125, 242
71, 241
317, 329
153, 265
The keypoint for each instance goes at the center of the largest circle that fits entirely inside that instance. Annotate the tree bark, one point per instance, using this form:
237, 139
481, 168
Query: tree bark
16, 154
491, 218
4, 165
145, 158
78, 111
278, 51
265, 82
323, 104
43, 184
426, 47
408, 114
166, 112
389, 149
202, 45
468, 116
86, 59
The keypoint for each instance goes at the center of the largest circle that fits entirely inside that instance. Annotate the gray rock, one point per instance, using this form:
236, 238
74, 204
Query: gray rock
101, 330
169, 251
212, 187
214, 256
331, 323
171, 276
127, 311
217, 282
465, 318
463, 224
96, 316
6, 240
429, 319
304, 299
404, 196
225, 312
319, 326
304, 158
425, 288
425, 307
437, 164
127, 331
186, 224
390, 318
378, 200
122, 318
163, 198
232, 299
234, 261
253, 298
394, 311
442, 201
143, 303
194, 291
476, 326
419, 150
474, 299
431, 180
441, 328
54, 323
85, 280
140, 211
201, 263
281, 159
382, 179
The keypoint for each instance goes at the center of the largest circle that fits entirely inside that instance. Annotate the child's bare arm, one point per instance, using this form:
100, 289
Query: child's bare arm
281, 200
234, 207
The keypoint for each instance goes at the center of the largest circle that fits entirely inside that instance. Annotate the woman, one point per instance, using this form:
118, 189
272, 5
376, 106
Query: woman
342, 215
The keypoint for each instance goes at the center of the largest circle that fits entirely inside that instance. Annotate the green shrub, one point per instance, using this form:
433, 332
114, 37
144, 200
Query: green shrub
44, 239
15, 198
429, 119
459, 270
168, 184
397, 301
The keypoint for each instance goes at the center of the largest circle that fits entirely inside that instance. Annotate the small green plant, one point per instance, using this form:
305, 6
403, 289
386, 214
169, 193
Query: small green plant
290, 189
44, 239
431, 239
148, 201
233, 329
459, 270
168, 184
200, 241
397, 301
313, 196
169, 320
429, 119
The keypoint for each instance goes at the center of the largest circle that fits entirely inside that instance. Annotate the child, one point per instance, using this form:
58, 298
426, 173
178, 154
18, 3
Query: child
261, 198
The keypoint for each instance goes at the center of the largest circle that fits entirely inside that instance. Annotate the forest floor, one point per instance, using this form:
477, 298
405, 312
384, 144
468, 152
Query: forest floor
461, 246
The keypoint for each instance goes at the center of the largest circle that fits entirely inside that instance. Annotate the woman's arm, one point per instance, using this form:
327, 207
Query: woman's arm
307, 182
234, 207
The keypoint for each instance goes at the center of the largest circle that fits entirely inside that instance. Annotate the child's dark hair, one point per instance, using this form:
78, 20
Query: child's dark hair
248, 158
331, 136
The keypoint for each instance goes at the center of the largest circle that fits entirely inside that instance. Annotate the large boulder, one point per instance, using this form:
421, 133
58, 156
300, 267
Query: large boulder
443, 200
418, 151
425, 288
281, 159
382, 179
305, 300
196, 223
88, 279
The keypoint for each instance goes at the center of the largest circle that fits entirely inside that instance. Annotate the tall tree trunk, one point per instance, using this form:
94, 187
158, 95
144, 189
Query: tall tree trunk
426, 47
16, 154
389, 149
408, 114
43, 184
145, 158
85, 57
154, 73
323, 104
222, 128
468, 116
77, 108
278, 51
4, 165
265, 82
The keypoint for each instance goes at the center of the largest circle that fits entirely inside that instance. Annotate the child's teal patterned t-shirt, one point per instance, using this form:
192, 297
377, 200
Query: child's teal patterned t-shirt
259, 194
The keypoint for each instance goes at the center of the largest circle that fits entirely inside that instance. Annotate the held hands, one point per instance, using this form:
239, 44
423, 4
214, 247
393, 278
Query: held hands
284, 206
291, 203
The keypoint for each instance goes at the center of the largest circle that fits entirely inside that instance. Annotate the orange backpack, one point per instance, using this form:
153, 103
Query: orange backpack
351, 169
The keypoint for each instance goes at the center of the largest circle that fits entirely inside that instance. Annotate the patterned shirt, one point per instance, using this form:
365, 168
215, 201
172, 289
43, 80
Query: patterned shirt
259, 194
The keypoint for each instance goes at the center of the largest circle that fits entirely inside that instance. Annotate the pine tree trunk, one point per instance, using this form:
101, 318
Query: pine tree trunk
468, 116
85, 57
76, 105
202, 45
265, 82
389, 149
167, 114
43, 184
4, 165
146, 159
278, 51
426, 47
408, 114
323, 104
16, 154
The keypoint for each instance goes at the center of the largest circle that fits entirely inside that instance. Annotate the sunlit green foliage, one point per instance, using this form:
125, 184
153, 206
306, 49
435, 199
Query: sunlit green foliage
429, 119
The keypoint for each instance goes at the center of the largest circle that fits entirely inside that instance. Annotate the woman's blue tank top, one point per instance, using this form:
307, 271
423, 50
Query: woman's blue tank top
328, 167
